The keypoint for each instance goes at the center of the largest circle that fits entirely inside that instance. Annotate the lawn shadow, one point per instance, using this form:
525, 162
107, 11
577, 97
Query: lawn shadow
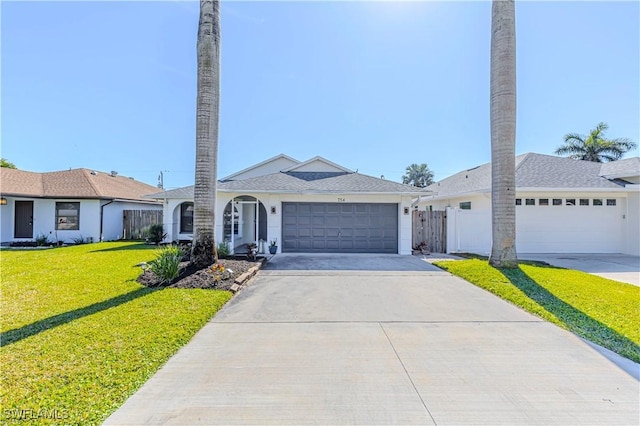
138, 246
572, 318
17, 334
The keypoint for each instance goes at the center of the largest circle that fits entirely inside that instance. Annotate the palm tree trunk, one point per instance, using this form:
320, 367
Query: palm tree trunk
207, 115
503, 133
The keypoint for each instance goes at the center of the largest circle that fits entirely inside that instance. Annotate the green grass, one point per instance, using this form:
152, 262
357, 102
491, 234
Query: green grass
603, 311
80, 335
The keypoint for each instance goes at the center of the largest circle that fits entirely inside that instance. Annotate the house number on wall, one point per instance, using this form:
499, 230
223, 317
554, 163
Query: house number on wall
341, 200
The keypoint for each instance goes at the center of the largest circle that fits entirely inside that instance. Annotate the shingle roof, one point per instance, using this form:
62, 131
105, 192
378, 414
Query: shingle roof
621, 168
305, 182
76, 183
532, 171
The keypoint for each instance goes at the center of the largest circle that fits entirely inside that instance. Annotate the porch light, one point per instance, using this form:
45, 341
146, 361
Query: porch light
273, 209
3, 201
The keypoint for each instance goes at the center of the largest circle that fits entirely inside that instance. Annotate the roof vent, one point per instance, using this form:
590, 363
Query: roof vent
93, 172
114, 173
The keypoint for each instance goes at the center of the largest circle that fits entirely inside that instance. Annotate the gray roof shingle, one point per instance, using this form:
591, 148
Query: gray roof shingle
305, 182
532, 171
621, 168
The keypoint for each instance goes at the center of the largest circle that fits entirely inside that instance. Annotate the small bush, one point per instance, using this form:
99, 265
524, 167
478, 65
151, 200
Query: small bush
80, 240
223, 249
156, 233
42, 240
167, 265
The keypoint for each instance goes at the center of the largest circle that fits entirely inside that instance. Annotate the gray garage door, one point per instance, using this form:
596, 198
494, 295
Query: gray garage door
339, 228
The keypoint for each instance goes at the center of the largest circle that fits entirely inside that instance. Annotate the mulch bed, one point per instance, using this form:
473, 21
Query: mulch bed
191, 277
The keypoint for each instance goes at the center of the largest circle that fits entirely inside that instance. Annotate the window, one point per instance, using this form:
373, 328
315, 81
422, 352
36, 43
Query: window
465, 205
67, 216
584, 201
557, 201
227, 219
611, 201
530, 202
597, 201
186, 217
571, 202
518, 201
543, 202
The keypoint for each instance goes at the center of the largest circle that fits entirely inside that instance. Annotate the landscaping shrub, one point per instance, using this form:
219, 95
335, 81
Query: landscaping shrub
42, 240
80, 240
223, 249
156, 233
167, 265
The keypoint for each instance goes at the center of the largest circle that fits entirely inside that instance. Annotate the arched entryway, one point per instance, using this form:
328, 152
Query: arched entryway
247, 223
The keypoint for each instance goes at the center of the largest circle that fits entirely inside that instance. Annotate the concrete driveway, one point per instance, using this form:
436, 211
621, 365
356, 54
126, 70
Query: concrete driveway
619, 267
329, 343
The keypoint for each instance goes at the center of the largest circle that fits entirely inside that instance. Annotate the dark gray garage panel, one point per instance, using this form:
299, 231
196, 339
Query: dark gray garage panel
339, 228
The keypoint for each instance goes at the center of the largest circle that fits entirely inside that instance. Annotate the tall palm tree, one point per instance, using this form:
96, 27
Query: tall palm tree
503, 134
418, 175
207, 116
595, 147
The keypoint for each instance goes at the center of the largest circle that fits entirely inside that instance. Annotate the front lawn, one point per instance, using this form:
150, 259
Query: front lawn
603, 311
80, 335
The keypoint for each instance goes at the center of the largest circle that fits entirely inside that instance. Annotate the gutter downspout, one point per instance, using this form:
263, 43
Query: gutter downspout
102, 217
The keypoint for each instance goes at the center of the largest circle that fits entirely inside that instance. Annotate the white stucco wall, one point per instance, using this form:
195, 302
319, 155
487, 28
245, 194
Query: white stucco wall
631, 232
6, 221
44, 220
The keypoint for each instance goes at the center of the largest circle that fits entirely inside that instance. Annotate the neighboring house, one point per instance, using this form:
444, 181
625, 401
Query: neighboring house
68, 204
314, 206
562, 206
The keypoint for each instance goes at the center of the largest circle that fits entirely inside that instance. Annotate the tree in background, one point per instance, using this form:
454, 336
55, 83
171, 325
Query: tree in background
503, 134
595, 147
207, 117
418, 175
6, 163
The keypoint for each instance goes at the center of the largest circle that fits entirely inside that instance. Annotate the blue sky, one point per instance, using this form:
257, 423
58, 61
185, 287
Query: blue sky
373, 86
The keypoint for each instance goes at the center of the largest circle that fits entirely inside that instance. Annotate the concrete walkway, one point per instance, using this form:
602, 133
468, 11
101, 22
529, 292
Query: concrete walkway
619, 267
405, 344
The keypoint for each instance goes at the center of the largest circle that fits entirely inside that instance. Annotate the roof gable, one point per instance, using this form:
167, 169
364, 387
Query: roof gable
314, 176
317, 164
271, 165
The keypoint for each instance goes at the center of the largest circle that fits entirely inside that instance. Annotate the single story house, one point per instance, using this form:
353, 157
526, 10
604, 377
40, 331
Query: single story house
68, 204
562, 206
312, 206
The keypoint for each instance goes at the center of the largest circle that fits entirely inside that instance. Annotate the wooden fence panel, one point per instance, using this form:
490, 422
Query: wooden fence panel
430, 227
136, 222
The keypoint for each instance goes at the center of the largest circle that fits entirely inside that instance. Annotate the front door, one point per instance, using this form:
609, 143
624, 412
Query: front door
24, 219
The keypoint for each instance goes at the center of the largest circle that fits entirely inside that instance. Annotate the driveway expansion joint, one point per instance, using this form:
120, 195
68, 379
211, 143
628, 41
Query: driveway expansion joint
407, 373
